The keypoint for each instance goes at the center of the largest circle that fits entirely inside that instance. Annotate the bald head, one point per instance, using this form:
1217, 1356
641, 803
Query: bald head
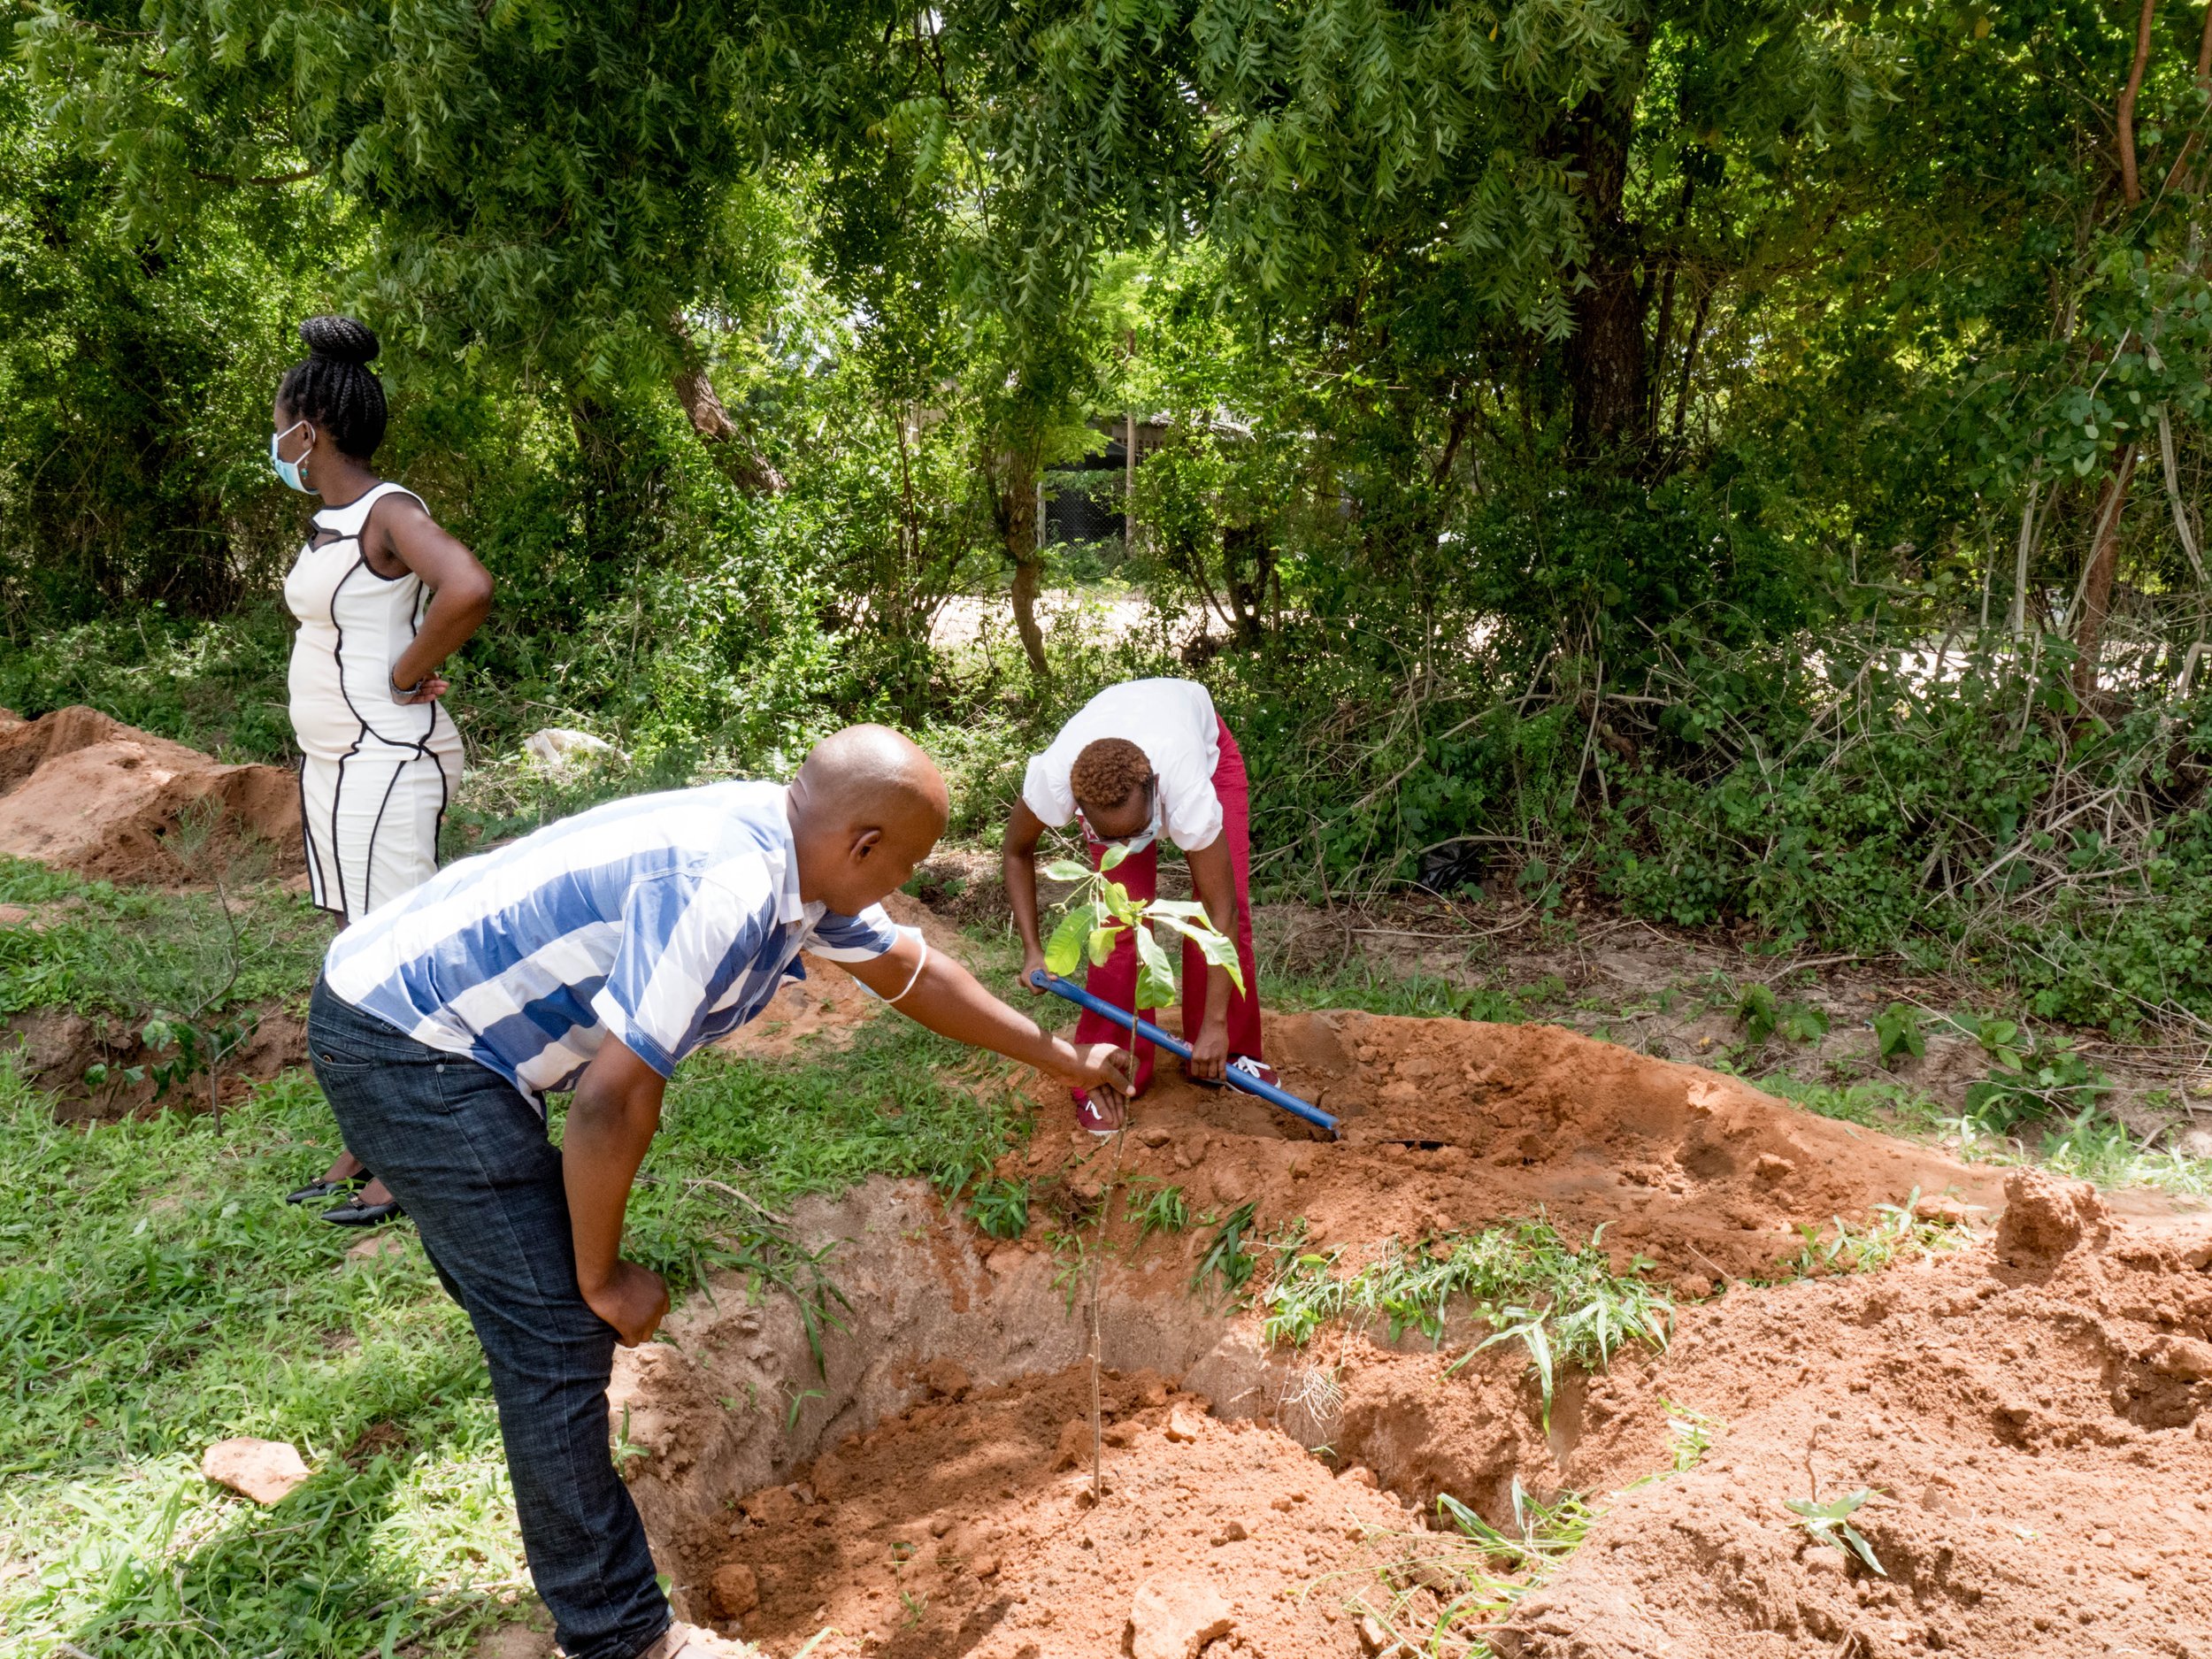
870, 777
865, 808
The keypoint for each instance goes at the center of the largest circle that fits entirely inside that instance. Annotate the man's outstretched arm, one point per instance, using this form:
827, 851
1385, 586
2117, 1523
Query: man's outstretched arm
946, 998
611, 1120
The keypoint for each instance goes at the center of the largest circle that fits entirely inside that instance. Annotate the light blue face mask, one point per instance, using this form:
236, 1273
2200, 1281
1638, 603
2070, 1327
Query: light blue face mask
292, 473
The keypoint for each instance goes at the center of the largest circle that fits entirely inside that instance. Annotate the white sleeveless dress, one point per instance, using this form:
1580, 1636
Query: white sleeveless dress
375, 774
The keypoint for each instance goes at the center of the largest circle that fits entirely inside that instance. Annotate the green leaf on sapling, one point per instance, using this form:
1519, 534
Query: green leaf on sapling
1155, 976
1064, 951
1066, 870
1102, 942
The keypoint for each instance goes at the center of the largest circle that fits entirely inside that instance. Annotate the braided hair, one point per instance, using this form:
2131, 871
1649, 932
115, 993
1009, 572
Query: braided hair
334, 388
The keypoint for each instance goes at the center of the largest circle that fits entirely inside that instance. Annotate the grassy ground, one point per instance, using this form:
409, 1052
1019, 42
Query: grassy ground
155, 1295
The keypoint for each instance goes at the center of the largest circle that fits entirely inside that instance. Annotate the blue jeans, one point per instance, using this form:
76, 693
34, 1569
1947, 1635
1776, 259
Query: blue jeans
466, 1154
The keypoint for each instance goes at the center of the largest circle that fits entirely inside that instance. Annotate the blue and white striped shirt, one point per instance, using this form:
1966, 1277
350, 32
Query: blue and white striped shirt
663, 921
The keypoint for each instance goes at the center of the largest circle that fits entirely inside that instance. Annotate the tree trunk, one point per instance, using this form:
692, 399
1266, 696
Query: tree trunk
2096, 581
744, 465
2124, 122
1606, 357
1014, 507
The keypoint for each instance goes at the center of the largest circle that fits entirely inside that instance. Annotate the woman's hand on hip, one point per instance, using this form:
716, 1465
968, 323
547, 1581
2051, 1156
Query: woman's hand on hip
429, 688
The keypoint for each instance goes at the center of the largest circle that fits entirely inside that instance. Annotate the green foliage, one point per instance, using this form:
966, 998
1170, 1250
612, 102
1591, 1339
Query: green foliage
1157, 1207
1565, 1306
2047, 1077
1000, 1208
1100, 910
1226, 1264
1897, 1231
1897, 1033
141, 952
1830, 1524
1762, 1014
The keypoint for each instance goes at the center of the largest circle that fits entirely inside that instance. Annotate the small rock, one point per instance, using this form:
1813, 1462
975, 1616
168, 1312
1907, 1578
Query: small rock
984, 1566
770, 1505
1153, 1135
1771, 1168
2181, 1358
1005, 1260
1151, 1391
264, 1471
1281, 1506
1360, 1474
736, 1590
939, 1524
1943, 1210
1184, 1424
1376, 1640
1173, 1618
1232, 1533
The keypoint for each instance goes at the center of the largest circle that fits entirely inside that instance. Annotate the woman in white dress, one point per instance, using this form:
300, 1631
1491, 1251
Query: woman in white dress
383, 596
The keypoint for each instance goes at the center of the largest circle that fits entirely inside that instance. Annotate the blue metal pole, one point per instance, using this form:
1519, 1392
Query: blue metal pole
1281, 1098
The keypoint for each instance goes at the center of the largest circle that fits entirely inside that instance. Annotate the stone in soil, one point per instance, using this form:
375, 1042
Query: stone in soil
264, 1471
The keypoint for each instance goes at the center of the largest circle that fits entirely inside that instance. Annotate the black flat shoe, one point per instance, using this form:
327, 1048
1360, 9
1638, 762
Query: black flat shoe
360, 1214
316, 1190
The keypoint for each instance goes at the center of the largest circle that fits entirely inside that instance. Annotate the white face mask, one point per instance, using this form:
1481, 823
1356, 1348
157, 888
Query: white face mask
292, 472
1133, 843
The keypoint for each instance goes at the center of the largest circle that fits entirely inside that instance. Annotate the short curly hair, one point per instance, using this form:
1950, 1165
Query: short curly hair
1106, 772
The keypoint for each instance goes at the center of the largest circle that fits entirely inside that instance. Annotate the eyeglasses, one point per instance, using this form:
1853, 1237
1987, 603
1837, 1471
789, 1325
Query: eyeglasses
1143, 837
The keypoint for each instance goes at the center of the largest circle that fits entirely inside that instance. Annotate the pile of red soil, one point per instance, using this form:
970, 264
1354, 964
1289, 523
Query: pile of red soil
1451, 1125
84, 792
2029, 1415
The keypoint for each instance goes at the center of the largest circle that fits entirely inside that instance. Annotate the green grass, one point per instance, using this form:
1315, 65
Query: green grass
1895, 1231
135, 952
155, 1295
1565, 1306
1422, 995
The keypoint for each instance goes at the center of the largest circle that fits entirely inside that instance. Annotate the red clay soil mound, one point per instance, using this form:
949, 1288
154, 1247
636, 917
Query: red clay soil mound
964, 1526
2029, 1415
1451, 1125
83, 793
829, 1005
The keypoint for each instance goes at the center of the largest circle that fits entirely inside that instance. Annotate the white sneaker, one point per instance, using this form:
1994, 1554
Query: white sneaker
688, 1641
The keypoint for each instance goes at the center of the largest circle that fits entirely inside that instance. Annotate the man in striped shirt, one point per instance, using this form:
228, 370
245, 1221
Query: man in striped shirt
593, 956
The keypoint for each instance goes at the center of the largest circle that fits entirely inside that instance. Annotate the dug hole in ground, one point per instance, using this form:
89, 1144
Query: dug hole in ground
2023, 1410
2024, 1405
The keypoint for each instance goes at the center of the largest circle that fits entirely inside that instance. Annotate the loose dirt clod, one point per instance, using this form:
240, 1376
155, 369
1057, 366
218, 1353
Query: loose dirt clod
84, 792
2044, 1218
1174, 1619
264, 1471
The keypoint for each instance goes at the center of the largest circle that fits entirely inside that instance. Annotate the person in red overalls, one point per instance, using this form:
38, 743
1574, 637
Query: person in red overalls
1143, 759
